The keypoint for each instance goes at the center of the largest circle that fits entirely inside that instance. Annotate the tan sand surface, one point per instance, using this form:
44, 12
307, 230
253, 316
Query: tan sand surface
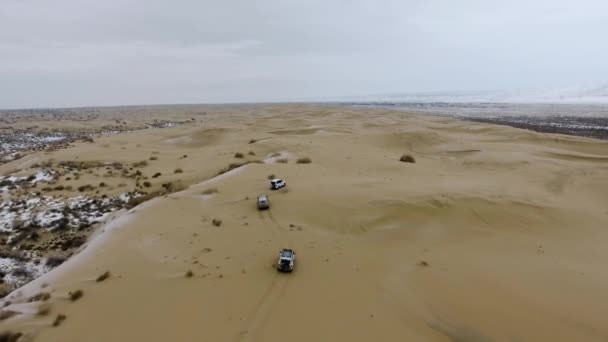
494, 233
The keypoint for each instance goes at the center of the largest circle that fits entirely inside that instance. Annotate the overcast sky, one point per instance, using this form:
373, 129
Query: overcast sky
111, 52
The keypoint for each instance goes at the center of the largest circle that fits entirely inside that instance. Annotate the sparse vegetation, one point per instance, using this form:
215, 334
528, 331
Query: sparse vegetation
178, 171
8, 336
156, 175
239, 155
154, 158
40, 297
252, 141
304, 160
133, 202
147, 184
87, 187
102, 185
76, 295
140, 163
216, 222
423, 263
59, 187
103, 276
233, 166
251, 153
283, 160
5, 314
210, 191
272, 176
407, 158
43, 310
60, 318
189, 274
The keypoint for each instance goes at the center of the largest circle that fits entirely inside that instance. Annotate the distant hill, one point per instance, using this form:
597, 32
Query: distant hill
572, 95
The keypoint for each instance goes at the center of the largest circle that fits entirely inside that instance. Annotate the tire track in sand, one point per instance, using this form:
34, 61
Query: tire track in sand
272, 295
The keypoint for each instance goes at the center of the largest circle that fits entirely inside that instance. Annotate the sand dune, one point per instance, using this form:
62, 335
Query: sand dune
493, 234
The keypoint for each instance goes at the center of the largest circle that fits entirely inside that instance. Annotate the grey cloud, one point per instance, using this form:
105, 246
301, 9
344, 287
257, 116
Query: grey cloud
84, 52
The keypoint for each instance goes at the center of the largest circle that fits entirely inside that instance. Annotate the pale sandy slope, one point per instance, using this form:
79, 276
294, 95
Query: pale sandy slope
512, 225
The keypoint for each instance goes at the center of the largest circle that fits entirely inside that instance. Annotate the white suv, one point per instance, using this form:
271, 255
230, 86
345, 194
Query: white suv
287, 259
277, 184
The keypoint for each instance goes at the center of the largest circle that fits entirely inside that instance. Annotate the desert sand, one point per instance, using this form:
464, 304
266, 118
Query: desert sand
494, 233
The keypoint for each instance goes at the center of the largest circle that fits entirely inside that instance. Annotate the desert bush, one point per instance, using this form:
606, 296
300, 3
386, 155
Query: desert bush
189, 274
153, 158
239, 155
231, 166
272, 176
423, 263
133, 202
251, 153
121, 185
140, 163
59, 187
43, 310
282, 160
252, 141
87, 187
87, 138
178, 171
40, 297
304, 160
216, 222
69, 188
9, 336
275, 154
147, 184
54, 261
47, 188
5, 314
102, 184
407, 158
156, 175
103, 276
209, 191
60, 318
76, 295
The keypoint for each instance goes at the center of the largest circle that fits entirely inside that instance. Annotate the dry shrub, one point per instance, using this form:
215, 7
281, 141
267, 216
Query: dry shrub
9, 336
60, 318
275, 154
87, 187
156, 175
103, 277
133, 202
189, 274
140, 163
272, 176
153, 158
239, 155
251, 153
231, 166
252, 141
423, 263
43, 310
304, 160
59, 187
76, 295
216, 222
5, 314
147, 184
282, 160
407, 158
178, 171
42, 296
210, 191
102, 184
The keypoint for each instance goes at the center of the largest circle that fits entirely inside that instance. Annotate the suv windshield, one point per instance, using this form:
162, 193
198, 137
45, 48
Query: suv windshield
286, 254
